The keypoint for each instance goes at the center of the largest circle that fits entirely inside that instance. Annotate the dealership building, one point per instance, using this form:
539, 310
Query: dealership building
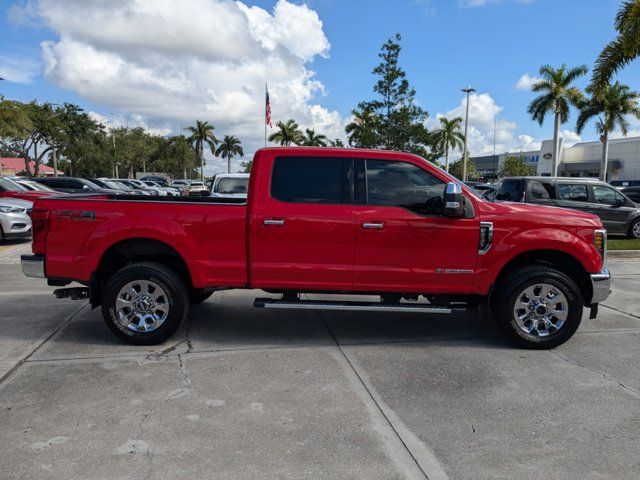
579, 160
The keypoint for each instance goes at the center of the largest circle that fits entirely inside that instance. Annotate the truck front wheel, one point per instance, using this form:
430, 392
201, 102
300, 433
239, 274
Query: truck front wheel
538, 307
145, 303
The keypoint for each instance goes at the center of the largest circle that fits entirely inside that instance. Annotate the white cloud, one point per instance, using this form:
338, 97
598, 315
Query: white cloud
484, 121
169, 63
18, 69
526, 81
569, 138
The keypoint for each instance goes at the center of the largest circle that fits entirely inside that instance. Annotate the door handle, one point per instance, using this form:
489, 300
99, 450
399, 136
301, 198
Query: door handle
273, 221
373, 226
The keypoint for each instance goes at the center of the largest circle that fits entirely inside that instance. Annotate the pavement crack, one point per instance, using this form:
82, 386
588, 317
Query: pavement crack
418, 459
633, 392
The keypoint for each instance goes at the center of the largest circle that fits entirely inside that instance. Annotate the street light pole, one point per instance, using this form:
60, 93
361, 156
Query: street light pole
465, 153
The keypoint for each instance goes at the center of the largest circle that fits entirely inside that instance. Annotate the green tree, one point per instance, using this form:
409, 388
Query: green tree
246, 166
613, 105
288, 133
15, 127
399, 121
449, 137
229, 148
201, 135
557, 96
176, 157
336, 143
456, 169
622, 50
82, 141
515, 166
312, 139
362, 132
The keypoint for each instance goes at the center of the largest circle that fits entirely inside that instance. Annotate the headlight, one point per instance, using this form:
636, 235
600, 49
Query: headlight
600, 242
12, 210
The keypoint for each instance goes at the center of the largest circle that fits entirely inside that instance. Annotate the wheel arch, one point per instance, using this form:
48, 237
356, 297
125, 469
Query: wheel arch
557, 259
134, 250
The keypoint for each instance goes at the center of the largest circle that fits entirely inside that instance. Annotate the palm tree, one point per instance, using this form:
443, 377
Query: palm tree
313, 139
362, 131
229, 148
449, 137
612, 105
558, 94
621, 50
287, 133
201, 134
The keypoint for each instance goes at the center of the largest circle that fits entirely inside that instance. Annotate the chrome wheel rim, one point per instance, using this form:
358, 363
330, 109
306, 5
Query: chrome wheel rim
540, 310
142, 306
636, 229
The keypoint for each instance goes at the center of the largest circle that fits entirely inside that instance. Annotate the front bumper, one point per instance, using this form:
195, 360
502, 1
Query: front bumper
601, 283
33, 266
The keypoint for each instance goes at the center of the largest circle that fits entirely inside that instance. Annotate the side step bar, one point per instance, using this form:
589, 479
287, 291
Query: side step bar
352, 306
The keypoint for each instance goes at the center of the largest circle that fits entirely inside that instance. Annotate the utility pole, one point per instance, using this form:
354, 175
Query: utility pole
465, 153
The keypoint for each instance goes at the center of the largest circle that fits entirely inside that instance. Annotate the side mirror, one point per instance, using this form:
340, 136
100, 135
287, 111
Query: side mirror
619, 202
453, 201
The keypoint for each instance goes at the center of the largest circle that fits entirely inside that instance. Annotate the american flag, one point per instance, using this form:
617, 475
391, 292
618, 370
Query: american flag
267, 108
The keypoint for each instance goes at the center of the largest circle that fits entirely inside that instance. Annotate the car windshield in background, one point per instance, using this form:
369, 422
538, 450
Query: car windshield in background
232, 185
8, 185
510, 191
35, 186
197, 184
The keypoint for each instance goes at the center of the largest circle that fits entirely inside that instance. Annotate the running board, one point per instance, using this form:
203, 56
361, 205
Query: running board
352, 306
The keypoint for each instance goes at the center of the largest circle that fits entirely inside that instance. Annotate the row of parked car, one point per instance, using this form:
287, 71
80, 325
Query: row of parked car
616, 205
18, 193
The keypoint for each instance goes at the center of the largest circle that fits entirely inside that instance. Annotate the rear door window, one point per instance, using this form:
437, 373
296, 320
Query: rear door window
573, 192
308, 180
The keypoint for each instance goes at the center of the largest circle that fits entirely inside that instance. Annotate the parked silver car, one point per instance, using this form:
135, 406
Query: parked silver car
15, 221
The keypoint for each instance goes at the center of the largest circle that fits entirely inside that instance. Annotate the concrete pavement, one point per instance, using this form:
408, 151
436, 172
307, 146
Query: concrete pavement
243, 394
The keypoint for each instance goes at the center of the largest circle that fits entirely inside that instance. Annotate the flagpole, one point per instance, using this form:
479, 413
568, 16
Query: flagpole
265, 114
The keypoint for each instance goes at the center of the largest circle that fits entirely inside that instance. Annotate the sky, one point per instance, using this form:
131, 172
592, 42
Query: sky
161, 64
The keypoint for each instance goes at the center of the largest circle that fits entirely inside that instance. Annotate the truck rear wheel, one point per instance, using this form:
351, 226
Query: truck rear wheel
538, 307
145, 303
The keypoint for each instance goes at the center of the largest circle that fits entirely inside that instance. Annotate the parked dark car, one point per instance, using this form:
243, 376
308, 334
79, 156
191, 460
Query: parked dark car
72, 185
625, 183
618, 213
632, 192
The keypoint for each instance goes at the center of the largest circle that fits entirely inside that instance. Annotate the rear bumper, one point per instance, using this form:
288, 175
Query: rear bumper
601, 283
33, 266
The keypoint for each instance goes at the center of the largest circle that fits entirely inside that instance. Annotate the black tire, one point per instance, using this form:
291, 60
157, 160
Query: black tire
634, 229
199, 295
511, 290
177, 298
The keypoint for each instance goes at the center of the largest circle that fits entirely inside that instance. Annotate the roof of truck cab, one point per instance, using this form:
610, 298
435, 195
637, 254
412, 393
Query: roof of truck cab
329, 151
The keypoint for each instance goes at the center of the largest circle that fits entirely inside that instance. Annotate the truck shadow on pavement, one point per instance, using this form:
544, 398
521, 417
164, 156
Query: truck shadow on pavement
228, 322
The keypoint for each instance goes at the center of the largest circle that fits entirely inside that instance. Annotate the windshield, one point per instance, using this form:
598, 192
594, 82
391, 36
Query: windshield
8, 185
89, 184
197, 184
232, 185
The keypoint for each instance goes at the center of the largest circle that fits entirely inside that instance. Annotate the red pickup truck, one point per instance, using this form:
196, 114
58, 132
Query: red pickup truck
322, 220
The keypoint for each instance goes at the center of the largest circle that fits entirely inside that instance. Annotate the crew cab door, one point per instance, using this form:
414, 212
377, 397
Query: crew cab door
403, 243
302, 223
